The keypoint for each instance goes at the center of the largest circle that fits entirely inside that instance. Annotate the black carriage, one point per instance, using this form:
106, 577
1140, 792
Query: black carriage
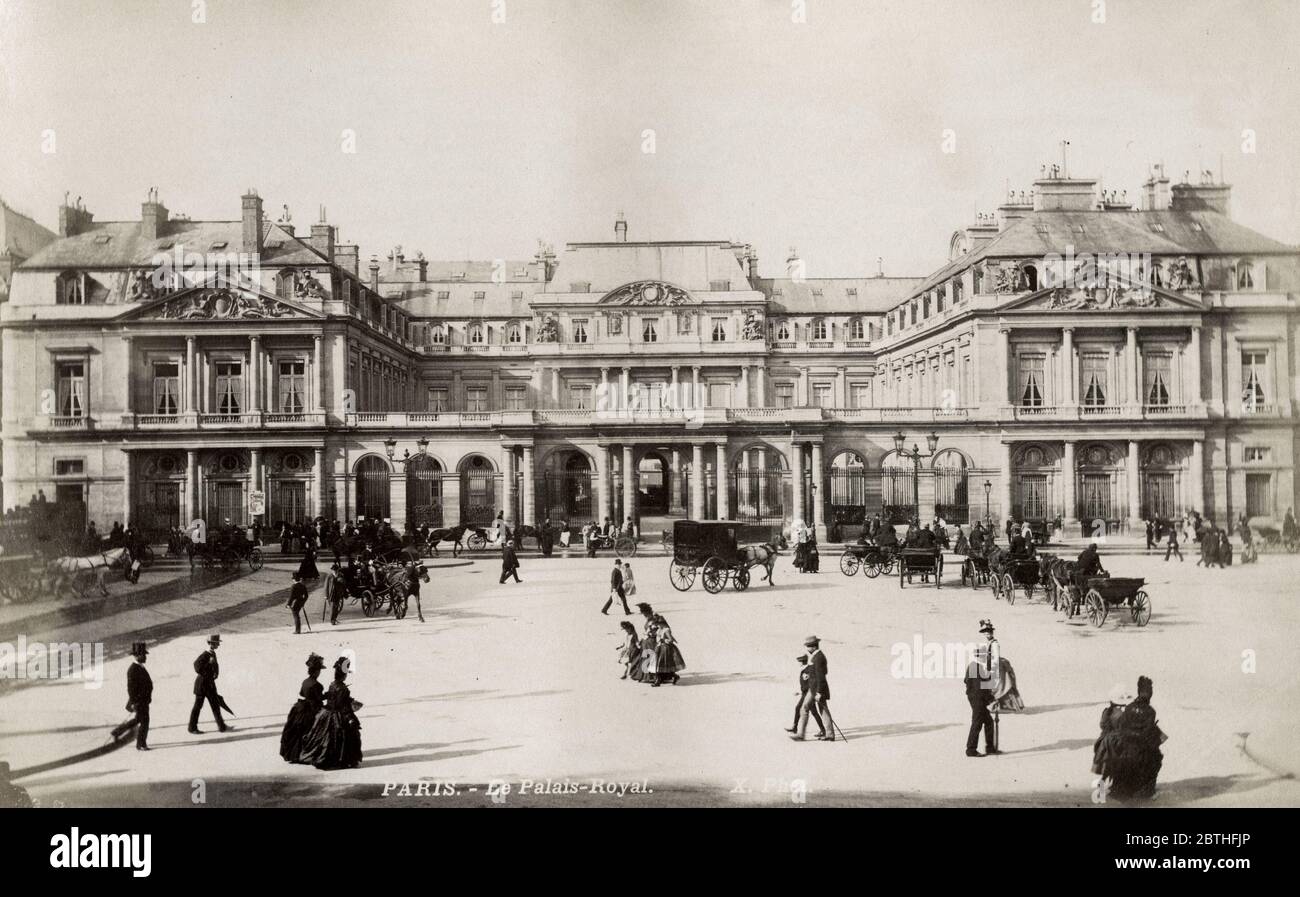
870, 558
709, 549
975, 569
923, 562
1012, 573
1097, 595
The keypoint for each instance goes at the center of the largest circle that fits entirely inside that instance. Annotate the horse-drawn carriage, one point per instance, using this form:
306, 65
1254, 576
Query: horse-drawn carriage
1007, 572
708, 549
1098, 595
624, 545
922, 562
870, 558
975, 569
380, 588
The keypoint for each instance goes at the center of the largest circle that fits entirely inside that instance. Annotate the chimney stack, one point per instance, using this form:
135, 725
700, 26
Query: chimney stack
374, 273
751, 263
348, 257
153, 216
1057, 193
73, 218
252, 224
322, 236
424, 267
1206, 196
620, 229
1157, 190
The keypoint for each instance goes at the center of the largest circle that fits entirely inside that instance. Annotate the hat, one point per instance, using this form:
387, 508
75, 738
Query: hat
138, 648
986, 625
1120, 694
315, 662
811, 641
214, 640
802, 658
644, 608
343, 663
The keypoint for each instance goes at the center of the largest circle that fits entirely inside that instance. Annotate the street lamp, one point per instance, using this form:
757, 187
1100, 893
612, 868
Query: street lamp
915, 455
390, 449
988, 518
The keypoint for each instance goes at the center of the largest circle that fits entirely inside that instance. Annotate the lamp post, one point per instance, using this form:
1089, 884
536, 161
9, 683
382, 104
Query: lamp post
988, 518
390, 449
915, 455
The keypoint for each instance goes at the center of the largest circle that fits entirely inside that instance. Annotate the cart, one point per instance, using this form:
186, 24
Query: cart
1099, 594
708, 549
870, 558
1015, 572
919, 562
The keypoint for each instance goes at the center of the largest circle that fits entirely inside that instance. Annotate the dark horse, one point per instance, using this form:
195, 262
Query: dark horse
454, 535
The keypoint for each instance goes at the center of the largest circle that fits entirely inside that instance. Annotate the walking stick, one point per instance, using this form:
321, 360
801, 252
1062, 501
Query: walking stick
843, 737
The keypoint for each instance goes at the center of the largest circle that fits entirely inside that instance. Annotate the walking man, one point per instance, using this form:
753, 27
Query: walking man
335, 591
509, 562
805, 682
818, 694
1171, 545
616, 588
207, 669
297, 599
139, 695
980, 686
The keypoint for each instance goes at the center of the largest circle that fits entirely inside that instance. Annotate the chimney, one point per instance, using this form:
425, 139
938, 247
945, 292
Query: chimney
794, 265
73, 218
751, 263
620, 229
424, 267
153, 216
982, 231
1057, 193
1206, 196
395, 259
322, 237
1157, 190
374, 273
348, 257
1017, 206
252, 229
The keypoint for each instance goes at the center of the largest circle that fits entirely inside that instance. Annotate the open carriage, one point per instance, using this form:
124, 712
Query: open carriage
975, 569
871, 559
708, 549
1008, 573
926, 563
1098, 595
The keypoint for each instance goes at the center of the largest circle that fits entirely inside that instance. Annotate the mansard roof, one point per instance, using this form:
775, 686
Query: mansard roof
831, 295
127, 247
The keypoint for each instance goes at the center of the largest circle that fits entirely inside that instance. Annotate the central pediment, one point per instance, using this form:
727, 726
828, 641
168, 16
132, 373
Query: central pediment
1117, 296
648, 292
220, 302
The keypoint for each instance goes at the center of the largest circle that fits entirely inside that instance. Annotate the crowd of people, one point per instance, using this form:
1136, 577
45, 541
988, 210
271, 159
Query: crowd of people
653, 657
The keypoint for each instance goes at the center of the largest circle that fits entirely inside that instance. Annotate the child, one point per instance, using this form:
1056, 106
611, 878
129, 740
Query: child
629, 584
629, 653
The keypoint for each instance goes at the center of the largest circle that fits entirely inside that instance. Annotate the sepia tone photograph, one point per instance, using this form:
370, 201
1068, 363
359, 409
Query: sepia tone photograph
574, 404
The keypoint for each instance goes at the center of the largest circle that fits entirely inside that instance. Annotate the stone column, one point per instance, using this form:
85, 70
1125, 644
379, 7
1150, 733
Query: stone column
678, 404
254, 374
819, 492
762, 385
191, 380
720, 477
1005, 509
629, 483
191, 486
318, 485
604, 483
1068, 373
675, 483
1004, 366
255, 469
803, 401
697, 481
1194, 375
128, 484
508, 484
530, 488
695, 389
841, 388
1197, 474
129, 347
625, 388
1131, 369
1134, 491
555, 387
538, 400
796, 474
744, 387
1069, 518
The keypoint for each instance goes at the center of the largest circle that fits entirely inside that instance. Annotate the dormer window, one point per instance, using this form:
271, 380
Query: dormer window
851, 292
857, 330
1245, 274
71, 288
819, 329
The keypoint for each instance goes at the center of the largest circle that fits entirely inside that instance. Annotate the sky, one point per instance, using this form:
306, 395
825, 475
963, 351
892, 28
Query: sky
854, 131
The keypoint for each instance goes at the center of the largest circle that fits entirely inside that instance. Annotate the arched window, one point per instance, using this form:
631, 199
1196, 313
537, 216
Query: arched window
515, 334
857, 329
1245, 274
437, 335
284, 284
783, 331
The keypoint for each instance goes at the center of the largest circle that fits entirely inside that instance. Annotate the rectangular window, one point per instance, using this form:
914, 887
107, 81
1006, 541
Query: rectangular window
1030, 387
291, 387
580, 331
1256, 453
823, 395
438, 398
476, 398
1156, 377
1253, 380
1259, 495
860, 395
649, 331
516, 396
166, 388
1092, 371
71, 376
719, 330
1033, 496
783, 394
580, 396
230, 387
69, 467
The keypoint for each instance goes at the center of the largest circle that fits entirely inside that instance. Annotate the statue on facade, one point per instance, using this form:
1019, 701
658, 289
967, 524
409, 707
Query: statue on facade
306, 286
549, 330
1180, 274
753, 327
140, 286
1005, 279
616, 324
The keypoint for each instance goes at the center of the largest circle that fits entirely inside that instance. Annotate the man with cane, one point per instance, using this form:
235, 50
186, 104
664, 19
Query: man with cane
981, 689
818, 694
297, 600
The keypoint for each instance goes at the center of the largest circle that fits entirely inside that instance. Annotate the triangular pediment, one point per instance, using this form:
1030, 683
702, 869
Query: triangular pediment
1120, 297
219, 301
648, 292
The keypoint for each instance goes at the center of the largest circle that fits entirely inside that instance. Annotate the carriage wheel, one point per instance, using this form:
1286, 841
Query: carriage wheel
476, 542
625, 546
1097, 609
681, 576
715, 575
1141, 608
740, 580
368, 602
872, 569
1009, 588
850, 563
887, 567
255, 559
996, 582
399, 606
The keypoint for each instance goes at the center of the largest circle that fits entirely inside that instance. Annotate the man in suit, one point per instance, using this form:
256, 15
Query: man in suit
616, 588
335, 591
925, 538
297, 599
818, 694
806, 673
1171, 545
206, 670
980, 682
509, 562
139, 695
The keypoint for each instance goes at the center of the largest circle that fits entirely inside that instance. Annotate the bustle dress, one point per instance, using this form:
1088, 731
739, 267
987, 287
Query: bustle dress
334, 741
311, 697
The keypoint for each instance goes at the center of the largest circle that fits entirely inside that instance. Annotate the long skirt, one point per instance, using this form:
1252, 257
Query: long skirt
649, 650
668, 659
334, 741
301, 718
307, 569
636, 664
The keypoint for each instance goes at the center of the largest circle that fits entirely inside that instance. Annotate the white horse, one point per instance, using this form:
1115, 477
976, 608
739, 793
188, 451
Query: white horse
69, 571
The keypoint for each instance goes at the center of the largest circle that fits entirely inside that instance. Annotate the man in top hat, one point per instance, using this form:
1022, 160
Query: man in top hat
207, 669
509, 562
818, 694
139, 695
297, 600
805, 682
981, 686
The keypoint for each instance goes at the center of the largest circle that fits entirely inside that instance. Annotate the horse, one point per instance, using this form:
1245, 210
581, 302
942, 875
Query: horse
1060, 573
763, 555
403, 580
453, 534
66, 571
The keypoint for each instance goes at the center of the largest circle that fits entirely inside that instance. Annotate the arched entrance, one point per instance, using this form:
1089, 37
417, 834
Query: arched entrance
478, 491
1161, 481
847, 489
1035, 469
157, 502
951, 487
566, 487
897, 489
423, 491
372, 488
654, 479
757, 486
1099, 487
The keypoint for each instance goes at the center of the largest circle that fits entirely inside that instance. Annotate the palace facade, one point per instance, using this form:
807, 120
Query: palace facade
1074, 356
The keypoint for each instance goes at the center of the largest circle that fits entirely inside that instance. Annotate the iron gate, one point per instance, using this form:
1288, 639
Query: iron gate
952, 494
757, 496
424, 492
478, 497
567, 496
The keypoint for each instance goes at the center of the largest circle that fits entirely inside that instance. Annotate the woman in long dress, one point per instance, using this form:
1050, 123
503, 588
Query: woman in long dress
629, 584
1138, 760
630, 653
335, 738
307, 569
311, 697
649, 644
668, 657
